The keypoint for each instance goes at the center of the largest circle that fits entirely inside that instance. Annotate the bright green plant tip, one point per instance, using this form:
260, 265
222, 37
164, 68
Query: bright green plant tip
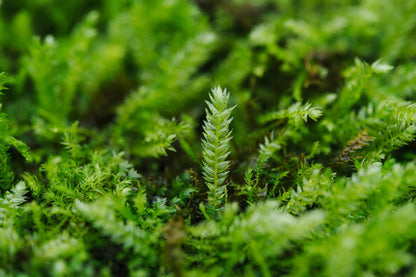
216, 147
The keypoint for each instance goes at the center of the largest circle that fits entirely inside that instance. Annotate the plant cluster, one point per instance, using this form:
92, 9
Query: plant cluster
207, 138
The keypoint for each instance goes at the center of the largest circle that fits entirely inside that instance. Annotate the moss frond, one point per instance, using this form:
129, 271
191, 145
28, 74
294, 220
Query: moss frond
216, 147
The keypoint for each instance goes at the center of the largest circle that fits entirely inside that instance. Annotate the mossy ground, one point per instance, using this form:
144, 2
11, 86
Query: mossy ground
106, 168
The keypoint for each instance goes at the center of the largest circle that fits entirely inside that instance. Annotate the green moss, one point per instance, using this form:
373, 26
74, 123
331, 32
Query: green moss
111, 165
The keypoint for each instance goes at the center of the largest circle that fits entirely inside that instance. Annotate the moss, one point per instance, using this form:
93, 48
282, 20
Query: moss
110, 164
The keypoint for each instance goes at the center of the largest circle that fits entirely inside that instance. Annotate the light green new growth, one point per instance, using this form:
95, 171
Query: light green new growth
216, 146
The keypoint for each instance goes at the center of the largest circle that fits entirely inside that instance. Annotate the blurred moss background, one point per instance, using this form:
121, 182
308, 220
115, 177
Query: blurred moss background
126, 66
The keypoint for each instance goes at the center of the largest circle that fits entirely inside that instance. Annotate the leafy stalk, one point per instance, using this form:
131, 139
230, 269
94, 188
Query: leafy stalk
216, 147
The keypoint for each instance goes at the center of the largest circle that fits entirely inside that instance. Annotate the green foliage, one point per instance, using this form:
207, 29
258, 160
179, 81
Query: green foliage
216, 147
6, 140
112, 218
102, 169
260, 235
57, 70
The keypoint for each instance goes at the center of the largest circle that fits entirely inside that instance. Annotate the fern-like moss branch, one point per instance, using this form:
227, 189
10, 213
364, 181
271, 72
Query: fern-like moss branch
216, 146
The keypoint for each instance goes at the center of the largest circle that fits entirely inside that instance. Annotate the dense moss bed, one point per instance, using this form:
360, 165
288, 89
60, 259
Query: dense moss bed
207, 138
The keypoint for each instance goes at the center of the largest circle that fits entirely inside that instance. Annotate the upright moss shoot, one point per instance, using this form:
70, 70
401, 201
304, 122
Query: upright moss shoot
216, 147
